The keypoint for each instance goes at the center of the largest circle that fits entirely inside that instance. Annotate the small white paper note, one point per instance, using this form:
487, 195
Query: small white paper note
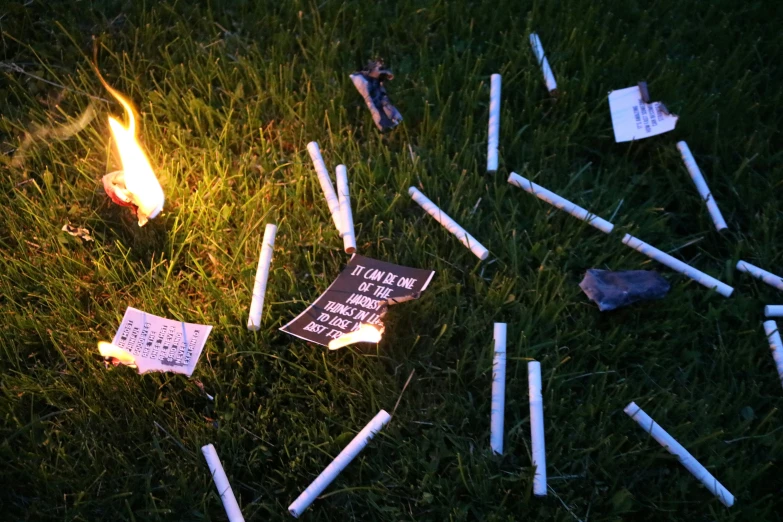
161, 345
633, 119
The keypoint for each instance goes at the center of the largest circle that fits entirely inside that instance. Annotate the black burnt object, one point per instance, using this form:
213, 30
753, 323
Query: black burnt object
610, 290
370, 84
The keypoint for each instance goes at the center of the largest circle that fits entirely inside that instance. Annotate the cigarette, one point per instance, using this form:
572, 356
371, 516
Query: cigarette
759, 273
674, 447
537, 427
498, 390
776, 345
262, 276
677, 265
701, 186
326, 184
538, 49
773, 310
222, 485
494, 123
449, 224
561, 203
338, 464
344, 197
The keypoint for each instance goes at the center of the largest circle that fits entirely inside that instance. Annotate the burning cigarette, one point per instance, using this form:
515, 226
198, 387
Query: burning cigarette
326, 184
262, 276
222, 485
674, 447
494, 123
675, 264
538, 49
759, 273
338, 464
773, 336
448, 223
561, 203
701, 186
344, 197
498, 390
537, 427
773, 310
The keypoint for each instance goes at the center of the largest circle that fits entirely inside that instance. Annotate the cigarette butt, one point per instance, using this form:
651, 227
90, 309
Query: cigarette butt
262, 276
448, 223
776, 345
338, 464
560, 202
701, 186
344, 197
494, 123
685, 458
761, 274
538, 50
537, 427
498, 408
677, 265
773, 310
222, 485
326, 184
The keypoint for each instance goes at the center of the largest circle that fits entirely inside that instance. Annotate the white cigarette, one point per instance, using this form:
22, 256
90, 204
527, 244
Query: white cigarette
498, 408
494, 123
759, 273
262, 276
776, 345
701, 186
674, 447
338, 464
326, 184
222, 485
448, 223
561, 203
677, 265
773, 310
538, 49
344, 196
537, 427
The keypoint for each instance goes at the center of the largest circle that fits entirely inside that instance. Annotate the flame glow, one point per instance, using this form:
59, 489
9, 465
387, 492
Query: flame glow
366, 333
137, 185
119, 356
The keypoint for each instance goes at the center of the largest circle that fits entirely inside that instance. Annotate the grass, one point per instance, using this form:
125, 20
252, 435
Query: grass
229, 94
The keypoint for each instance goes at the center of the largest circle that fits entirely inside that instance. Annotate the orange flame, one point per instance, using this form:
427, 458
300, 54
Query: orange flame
136, 184
366, 333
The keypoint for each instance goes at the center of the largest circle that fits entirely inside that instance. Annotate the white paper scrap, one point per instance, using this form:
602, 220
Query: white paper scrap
161, 345
633, 119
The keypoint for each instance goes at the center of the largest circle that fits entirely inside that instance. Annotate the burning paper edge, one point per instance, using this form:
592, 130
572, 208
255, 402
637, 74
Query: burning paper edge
366, 333
116, 355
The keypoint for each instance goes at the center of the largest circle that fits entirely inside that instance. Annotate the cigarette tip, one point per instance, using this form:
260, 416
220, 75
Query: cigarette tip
631, 409
294, 512
412, 190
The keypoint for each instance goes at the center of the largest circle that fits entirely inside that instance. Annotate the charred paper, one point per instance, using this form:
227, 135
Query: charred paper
370, 84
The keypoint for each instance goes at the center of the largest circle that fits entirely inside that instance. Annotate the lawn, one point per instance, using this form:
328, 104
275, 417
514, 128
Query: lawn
229, 94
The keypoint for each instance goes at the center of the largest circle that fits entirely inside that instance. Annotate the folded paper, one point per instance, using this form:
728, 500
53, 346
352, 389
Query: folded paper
356, 302
633, 119
155, 344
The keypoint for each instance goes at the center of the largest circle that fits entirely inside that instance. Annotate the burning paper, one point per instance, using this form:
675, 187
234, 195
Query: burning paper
154, 344
352, 308
369, 82
633, 119
134, 186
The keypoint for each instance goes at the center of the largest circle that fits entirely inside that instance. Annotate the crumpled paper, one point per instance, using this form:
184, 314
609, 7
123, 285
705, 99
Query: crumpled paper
370, 84
611, 290
79, 232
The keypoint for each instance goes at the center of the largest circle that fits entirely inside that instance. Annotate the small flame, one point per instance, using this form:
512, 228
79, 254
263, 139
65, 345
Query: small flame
116, 354
136, 185
366, 333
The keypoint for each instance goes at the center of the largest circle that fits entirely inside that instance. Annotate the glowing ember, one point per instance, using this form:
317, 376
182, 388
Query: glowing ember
366, 333
135, 185
116, 354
